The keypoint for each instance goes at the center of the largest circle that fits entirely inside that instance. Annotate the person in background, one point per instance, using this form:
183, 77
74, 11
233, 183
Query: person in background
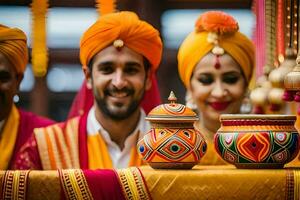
119, 54
215, 63
16, 125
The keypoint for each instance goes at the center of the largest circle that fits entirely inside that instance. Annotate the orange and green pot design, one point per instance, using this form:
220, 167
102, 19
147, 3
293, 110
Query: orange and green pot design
172, 142
257, 141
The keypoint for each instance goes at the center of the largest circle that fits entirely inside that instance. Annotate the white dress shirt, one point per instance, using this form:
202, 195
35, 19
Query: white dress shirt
120, 158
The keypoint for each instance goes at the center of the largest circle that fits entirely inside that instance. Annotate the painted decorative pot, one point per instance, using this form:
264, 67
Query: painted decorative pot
257, 141
172, 141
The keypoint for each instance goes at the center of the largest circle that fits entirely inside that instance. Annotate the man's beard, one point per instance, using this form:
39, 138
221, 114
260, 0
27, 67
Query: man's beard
118, 114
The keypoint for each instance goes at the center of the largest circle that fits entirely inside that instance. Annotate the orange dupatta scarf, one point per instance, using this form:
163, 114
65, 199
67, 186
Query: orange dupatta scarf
58, 147
99, 157
8, 137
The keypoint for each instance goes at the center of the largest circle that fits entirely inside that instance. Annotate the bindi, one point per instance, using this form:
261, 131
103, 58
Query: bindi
217, 63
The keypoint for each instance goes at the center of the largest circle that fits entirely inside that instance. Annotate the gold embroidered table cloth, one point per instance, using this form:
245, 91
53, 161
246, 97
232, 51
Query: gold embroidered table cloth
202, 182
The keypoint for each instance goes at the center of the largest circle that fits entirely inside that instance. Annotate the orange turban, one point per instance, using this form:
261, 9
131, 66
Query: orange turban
198, 43
14, 47
136, 35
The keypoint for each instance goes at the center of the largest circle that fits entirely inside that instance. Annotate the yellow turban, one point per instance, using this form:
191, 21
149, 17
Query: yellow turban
198, 43
136, 35
14, 47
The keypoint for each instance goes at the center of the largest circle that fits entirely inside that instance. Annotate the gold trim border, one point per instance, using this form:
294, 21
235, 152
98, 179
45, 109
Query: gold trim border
74, 184
296, 184
133, 185
15, 184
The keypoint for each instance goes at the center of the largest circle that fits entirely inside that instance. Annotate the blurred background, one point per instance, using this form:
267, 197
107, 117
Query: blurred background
66, 20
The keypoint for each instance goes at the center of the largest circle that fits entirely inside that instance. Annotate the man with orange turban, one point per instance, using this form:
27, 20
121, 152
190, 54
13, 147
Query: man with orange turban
16, 125
119, 54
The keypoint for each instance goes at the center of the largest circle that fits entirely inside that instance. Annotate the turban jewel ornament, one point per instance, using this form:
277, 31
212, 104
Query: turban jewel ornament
216, 23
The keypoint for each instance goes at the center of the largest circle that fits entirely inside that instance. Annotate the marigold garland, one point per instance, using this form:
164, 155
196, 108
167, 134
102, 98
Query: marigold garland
39, 58
105, 6
216, 21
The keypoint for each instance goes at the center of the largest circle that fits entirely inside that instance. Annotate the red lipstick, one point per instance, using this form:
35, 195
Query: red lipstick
219, 106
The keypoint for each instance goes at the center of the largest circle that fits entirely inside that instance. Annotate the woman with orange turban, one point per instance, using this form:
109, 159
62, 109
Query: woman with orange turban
119, 54
215, 63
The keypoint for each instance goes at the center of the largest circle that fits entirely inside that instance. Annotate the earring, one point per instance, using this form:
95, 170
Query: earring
190, 103
246, 106
16, 98
89, 84
225, 92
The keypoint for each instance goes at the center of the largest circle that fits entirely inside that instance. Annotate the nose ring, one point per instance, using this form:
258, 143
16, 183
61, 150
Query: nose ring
225, 92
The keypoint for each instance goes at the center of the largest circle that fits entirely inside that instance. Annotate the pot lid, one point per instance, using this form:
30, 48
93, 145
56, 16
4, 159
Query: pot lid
172, 112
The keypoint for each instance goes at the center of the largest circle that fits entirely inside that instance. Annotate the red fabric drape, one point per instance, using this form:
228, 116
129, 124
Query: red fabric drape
104, 184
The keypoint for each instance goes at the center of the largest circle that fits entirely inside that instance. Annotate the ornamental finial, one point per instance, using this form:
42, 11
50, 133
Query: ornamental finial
172, 98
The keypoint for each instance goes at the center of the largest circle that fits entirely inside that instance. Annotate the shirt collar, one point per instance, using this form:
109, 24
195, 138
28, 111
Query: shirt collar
93, 126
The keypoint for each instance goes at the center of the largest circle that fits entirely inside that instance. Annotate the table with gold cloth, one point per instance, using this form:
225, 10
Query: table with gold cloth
202, 182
